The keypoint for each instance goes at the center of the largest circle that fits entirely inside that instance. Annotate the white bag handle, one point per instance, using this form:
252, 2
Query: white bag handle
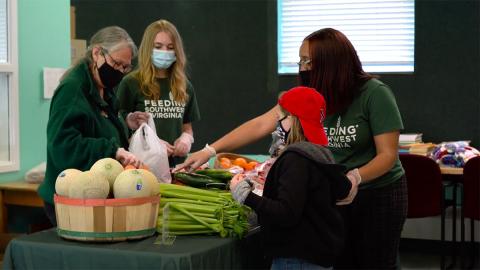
151, 123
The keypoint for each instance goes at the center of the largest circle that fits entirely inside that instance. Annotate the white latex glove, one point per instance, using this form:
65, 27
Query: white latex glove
126, 158
135, 119
355, 179
196, 159
354, 176
170, 148
183, 144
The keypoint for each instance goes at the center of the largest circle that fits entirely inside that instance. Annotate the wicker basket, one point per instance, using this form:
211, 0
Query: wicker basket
106, 220
230, 156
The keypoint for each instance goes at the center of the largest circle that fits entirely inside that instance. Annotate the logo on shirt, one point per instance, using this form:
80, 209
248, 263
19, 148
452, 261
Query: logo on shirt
165, 108
341, 136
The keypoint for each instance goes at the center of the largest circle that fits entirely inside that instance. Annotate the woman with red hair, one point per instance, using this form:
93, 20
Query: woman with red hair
362, 125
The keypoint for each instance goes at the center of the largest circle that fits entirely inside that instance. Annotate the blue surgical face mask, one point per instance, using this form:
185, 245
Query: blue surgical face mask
163, 59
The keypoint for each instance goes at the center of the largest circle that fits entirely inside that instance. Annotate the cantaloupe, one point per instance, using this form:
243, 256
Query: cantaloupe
149, 176
132, 184
63, 181
109, 167
89, 185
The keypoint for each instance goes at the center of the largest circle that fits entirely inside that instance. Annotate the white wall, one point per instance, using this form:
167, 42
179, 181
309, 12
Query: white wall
429, 228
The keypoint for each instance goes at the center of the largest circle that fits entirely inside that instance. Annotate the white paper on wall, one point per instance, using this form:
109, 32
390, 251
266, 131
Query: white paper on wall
51, 79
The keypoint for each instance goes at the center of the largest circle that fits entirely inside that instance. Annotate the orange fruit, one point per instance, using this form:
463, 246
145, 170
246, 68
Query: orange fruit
130, 167
225, 165
144, 166
240, 162
251, 165
224, 159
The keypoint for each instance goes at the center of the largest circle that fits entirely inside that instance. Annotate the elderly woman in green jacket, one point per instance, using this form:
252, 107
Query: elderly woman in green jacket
83, 124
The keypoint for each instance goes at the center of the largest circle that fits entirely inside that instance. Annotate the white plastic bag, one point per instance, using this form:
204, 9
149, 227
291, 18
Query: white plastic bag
36, 174
151, 150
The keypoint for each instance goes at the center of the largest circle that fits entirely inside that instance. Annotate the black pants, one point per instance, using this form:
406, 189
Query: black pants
50, 211
374, 222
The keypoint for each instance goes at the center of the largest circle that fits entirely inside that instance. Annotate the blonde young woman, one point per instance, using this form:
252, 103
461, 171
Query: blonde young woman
159, 86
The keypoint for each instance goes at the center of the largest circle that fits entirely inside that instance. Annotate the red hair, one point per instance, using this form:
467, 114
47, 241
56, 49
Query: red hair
336, 71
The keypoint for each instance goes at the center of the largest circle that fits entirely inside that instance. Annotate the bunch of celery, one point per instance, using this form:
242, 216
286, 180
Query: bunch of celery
187, 210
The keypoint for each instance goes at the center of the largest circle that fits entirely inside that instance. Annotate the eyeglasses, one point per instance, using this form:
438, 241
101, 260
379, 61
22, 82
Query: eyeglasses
304, 62
117, 65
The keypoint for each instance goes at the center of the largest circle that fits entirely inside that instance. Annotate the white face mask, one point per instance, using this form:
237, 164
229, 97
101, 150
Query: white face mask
163, 59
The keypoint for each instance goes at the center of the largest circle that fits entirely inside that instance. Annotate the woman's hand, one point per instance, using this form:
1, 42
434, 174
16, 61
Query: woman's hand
183, 144
195, 160
355, 179
136, 119
240, 187
170, 148
126, 158
236, 179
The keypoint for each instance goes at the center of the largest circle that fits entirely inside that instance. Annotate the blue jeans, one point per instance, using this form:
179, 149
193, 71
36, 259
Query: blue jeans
293, 263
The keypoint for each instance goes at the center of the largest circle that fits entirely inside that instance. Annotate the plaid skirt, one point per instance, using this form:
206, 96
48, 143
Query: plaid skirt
374, 223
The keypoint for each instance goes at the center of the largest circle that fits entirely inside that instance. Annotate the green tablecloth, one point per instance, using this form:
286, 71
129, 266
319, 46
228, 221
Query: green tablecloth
46, 250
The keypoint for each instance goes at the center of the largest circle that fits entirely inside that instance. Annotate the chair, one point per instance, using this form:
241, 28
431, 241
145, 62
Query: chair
471, 201
426, 191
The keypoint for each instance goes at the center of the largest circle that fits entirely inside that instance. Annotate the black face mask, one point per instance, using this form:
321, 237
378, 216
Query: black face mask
109, 76
304, 78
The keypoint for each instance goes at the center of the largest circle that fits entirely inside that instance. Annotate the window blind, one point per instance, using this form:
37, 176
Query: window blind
382, 31
4, 91
4, 125
9, 135
3, 32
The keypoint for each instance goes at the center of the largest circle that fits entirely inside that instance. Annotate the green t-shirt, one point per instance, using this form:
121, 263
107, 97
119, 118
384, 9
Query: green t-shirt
168, 115
351, 134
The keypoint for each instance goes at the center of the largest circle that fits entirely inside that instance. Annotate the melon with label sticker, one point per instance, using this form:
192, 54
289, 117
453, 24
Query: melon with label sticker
149, 176
63, 181
132, 184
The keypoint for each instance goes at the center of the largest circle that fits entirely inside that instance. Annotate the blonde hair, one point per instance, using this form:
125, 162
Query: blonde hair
296, 130
146, 70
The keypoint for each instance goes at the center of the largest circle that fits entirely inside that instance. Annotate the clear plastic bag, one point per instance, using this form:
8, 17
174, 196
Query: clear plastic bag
151, 150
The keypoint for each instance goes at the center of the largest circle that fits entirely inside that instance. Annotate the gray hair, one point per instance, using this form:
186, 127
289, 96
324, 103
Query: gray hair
111, 38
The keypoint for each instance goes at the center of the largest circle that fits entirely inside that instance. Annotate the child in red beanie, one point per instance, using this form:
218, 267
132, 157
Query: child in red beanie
300, 223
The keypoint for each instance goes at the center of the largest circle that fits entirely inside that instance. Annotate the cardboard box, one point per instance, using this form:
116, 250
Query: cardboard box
77, 50
73, 31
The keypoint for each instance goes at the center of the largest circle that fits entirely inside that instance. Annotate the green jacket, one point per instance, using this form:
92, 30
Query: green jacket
82, 127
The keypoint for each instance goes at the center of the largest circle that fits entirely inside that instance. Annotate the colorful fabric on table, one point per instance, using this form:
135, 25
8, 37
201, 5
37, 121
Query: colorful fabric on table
454, 154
